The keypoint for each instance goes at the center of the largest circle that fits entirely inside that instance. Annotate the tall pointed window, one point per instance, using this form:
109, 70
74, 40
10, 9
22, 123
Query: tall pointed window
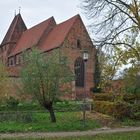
79, 72
78, 44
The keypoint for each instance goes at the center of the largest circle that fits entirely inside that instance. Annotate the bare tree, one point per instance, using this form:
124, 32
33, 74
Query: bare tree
113, 21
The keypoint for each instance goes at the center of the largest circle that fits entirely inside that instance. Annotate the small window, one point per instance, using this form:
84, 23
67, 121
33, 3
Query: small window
19, 60
11, 63
78, 44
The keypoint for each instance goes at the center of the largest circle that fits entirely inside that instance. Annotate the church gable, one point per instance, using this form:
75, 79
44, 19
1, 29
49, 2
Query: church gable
75, 42
70, 38
57, 36
34, 36
12, 36
78, 37
15, 30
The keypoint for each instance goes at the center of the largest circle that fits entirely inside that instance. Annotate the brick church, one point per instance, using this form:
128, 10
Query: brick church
69, 37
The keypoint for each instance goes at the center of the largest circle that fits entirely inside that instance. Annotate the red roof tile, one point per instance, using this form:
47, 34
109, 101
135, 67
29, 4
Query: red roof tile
17, 19
58, 34
31, 36
52, 40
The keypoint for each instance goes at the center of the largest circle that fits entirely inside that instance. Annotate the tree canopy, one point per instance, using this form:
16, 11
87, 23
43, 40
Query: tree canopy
43, 75
115, 23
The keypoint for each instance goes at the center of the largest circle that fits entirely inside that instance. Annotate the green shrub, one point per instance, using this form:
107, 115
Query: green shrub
118, 110
12, 102
135, 111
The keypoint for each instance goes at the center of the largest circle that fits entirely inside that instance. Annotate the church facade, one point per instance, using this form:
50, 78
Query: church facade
70, 38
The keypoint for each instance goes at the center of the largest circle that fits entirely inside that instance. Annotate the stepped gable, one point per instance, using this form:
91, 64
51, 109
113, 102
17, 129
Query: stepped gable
57, 36
15, 30
32, 36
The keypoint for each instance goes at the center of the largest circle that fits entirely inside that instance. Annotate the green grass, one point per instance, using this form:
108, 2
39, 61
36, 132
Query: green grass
116, 136
130, 122
66, 121
34, 106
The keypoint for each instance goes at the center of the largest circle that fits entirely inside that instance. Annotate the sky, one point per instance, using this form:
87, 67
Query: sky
36, 11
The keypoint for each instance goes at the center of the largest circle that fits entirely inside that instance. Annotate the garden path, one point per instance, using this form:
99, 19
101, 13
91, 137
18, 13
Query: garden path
104, 130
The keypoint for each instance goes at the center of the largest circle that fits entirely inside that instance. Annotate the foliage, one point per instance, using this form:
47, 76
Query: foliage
131, 78
131, 98
103, 97
97, 73
107, 66
114, 20
135, 111
71, 106
12, 102
43, 77
115, 26
117, 109
4, 81
118, 105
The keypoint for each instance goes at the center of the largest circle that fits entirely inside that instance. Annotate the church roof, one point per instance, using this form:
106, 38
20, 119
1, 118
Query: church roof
32, 36
56, 37
17, 22
36, 36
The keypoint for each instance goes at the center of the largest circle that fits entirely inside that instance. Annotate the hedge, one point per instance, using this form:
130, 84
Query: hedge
135, 111
118, 110
130, 98
103, 97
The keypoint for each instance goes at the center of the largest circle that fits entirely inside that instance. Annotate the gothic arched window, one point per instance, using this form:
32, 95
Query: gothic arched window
79, 72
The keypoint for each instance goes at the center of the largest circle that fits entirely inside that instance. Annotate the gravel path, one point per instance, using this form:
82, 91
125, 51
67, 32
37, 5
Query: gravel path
67, 134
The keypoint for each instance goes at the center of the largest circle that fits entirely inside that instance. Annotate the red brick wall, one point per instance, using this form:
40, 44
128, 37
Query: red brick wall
70, 50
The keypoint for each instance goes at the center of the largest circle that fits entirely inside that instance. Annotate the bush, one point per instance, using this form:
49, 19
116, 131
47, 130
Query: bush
135, 111
118, 110
131, 98
12, 102
103, 97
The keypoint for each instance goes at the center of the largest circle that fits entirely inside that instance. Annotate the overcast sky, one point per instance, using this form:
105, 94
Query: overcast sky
36, 11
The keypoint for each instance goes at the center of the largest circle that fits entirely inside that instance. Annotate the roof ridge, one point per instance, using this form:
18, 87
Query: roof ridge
74, 17
40, 23
13, 27
47, 31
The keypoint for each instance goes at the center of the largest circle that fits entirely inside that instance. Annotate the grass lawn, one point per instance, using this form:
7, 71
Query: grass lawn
66, 121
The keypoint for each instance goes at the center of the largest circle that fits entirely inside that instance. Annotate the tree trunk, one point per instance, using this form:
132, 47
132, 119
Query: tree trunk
52, 115
49, 107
